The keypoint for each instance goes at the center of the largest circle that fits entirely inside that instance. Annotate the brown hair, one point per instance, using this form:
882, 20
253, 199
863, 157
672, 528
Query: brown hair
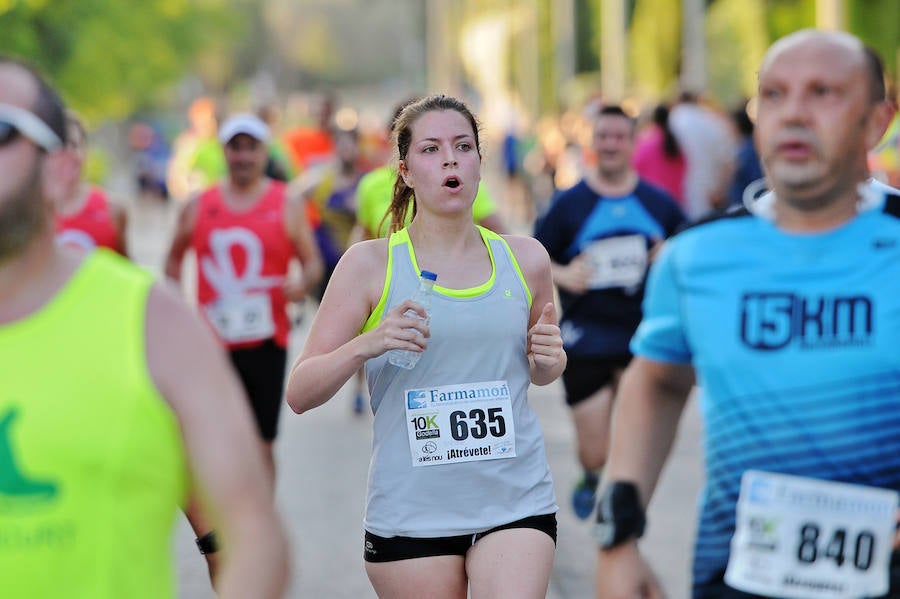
402, 137
48, 106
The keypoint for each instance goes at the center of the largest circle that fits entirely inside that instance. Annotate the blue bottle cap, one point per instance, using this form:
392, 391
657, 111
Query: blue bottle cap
427, 274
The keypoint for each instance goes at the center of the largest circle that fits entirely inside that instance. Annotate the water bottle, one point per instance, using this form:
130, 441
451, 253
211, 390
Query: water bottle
405, 358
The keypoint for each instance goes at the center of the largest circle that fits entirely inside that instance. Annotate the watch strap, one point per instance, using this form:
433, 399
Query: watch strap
208, 543
620, 515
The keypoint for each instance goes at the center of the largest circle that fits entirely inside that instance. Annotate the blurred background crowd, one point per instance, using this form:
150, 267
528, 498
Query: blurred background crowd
153, 79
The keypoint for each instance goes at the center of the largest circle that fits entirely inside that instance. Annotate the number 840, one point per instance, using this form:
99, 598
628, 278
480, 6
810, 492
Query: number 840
809, 548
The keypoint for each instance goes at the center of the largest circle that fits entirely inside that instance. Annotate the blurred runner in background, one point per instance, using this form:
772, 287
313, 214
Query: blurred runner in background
601, 236
85, 217
245, 233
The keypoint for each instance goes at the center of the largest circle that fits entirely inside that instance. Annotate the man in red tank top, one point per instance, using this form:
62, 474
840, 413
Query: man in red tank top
85, 218
245, 231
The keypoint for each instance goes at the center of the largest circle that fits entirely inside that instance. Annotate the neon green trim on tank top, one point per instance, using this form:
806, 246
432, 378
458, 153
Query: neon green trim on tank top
402, 236
375, 317
469, 292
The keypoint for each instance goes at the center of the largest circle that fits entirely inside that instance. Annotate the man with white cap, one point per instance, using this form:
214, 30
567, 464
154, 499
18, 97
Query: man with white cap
245, 232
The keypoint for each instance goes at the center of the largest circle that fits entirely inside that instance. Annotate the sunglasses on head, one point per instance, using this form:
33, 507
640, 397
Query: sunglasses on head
15, 121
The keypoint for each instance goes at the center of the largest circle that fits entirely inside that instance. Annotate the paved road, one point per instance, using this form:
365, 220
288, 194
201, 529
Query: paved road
322, 459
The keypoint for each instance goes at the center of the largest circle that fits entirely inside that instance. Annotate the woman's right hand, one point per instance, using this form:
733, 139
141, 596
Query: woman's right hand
396, 331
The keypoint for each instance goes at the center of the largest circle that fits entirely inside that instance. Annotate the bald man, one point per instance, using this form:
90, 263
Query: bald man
788, 317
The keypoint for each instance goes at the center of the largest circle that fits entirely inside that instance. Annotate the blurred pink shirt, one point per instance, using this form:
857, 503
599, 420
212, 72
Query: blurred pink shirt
654, 166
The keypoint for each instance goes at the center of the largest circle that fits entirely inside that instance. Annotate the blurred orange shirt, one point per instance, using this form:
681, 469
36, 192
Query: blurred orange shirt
308, 146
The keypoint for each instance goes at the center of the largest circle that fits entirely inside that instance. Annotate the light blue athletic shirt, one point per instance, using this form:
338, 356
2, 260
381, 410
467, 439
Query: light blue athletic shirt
794, 338
477, 335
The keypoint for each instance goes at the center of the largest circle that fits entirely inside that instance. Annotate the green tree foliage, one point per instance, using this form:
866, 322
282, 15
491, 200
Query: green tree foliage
549, 102
655, 48
111, 57
785, 16
736, 42
877, 23
587, 35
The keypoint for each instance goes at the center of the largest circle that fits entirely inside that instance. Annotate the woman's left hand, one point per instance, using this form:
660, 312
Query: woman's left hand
545, 343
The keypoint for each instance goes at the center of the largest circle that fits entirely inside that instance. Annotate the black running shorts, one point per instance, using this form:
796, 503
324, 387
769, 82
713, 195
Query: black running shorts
391, 549
585, 376
261, 370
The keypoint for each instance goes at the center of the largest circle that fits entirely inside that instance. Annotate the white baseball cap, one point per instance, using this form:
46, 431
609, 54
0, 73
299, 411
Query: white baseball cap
246, 123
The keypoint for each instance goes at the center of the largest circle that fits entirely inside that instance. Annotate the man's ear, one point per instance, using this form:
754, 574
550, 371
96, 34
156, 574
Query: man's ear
59, 167
880, 116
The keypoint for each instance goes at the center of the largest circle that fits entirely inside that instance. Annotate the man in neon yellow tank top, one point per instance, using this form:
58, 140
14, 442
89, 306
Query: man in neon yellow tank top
108, 386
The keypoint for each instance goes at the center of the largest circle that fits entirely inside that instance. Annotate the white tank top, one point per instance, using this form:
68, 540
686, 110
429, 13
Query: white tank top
457, 449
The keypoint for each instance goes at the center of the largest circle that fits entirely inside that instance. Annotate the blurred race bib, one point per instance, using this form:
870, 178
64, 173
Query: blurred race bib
802, 538
617, 261
242, 318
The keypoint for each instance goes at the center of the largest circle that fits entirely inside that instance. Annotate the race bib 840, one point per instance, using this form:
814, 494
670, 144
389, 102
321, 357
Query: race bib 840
802, 538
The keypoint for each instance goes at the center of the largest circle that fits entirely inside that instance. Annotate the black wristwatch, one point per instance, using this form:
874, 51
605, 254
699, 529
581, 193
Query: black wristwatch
208, 543
620, 515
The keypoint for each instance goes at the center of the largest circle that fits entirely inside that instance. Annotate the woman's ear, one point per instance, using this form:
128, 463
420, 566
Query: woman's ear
404, 173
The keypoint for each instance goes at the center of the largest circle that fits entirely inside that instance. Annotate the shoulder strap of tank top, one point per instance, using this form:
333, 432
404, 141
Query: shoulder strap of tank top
396, 238
489, 236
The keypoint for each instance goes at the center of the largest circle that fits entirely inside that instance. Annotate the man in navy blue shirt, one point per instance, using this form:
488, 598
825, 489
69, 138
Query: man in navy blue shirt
601, 235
